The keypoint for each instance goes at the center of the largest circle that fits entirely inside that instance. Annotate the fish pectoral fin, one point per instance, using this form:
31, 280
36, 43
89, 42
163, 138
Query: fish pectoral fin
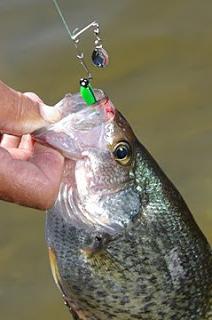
100, 259
98, 256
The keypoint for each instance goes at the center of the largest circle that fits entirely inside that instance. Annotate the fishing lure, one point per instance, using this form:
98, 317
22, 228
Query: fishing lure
99, 55
87, 92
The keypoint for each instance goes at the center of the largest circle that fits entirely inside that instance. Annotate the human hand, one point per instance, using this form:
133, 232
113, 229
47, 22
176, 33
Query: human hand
30, 173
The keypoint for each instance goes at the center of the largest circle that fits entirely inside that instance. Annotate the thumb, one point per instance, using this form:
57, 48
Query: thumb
48, 113
23, 113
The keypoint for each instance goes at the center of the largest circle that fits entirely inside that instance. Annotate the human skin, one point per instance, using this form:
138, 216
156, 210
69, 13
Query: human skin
30, 173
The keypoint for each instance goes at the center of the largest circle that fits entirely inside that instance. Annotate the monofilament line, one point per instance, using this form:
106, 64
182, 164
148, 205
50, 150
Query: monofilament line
62, 18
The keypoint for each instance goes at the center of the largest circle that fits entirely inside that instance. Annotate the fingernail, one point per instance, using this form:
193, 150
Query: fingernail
50, 114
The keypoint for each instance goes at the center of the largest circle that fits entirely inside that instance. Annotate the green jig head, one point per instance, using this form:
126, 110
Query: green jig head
87, 92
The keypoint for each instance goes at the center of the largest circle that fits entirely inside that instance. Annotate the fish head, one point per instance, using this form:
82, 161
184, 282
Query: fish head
99, 147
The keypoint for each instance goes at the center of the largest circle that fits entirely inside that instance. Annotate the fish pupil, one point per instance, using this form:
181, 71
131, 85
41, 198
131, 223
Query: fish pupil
122, 152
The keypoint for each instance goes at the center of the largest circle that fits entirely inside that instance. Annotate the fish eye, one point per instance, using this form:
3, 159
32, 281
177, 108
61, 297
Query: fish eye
122, 153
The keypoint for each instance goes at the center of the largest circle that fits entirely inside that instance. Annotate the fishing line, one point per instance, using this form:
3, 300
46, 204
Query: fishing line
62, 18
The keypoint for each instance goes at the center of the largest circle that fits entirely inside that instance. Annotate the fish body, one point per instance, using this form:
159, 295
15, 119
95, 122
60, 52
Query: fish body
122, 242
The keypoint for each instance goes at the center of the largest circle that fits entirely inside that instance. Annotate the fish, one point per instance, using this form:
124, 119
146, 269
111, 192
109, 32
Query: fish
122, 242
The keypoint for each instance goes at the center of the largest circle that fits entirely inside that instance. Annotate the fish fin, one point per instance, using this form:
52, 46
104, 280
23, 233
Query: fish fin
103, 263
99, 257
54, 268
58, 281
103, 260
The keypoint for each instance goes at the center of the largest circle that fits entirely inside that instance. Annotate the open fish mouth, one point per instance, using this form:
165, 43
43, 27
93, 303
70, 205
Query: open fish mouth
81, 126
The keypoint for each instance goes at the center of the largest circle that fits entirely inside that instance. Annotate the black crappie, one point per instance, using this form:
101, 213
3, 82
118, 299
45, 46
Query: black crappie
122, 242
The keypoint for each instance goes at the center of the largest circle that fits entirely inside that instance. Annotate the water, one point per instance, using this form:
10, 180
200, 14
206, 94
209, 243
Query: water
160, 77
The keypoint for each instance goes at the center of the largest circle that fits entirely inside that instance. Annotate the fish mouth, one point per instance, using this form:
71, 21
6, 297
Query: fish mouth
81, 127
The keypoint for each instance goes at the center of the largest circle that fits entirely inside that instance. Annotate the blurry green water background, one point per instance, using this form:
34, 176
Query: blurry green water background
160, 77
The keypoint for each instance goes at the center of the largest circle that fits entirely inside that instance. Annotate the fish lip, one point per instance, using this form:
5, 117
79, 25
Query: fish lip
109, 109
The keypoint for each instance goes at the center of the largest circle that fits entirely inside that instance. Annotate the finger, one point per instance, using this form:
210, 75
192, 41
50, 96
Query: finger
33, 183
50, 114
9, 141
22, 150
26, 143
20, 154
33, 96
20, 114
